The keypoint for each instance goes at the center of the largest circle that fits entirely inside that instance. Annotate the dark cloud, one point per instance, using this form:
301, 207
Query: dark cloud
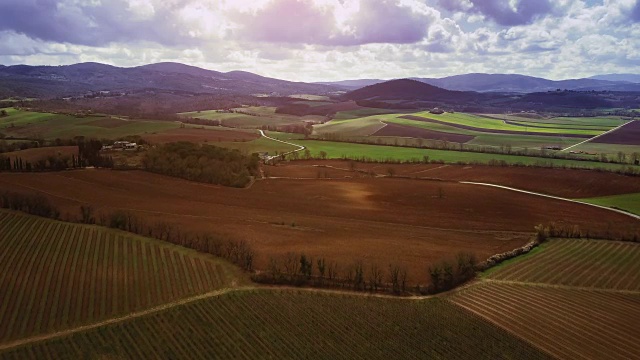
302, 22
86, 24
500, 11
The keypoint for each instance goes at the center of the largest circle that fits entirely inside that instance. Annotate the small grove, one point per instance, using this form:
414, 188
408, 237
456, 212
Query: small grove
204, 163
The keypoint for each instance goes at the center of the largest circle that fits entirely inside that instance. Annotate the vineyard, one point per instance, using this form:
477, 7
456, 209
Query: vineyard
578, 263
281, 324
56, 275
566, 323
574, 299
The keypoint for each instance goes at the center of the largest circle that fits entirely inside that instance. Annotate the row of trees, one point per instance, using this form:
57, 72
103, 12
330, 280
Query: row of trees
302, 270
34, 204
204, 163
238, 252
52, 163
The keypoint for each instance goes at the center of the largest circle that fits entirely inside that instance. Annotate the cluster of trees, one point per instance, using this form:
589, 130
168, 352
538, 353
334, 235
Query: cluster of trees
238, 252
303, 270
34, 204
304, 129
52, 163
560, 230
446, 275
204, 163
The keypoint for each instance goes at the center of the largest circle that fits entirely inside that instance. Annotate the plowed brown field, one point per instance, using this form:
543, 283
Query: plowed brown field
411, 222
570, 183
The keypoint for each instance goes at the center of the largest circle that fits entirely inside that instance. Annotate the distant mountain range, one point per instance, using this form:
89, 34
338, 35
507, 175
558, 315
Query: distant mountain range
410, 94
79, 79
506, 83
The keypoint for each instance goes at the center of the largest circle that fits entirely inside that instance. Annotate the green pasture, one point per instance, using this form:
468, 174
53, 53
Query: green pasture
259, 145
25, 124
311, 97
252, 117
628, 202
483, 123
353, 114
611, 150
336, 150
602, 121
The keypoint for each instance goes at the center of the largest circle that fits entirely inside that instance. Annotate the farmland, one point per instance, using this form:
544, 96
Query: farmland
294, 324
370, 219
570, 298
201, 135
628, 202
577, 263
566, 323
56, 275
25, 124
35, 154
338, 150
252, 117
568, 183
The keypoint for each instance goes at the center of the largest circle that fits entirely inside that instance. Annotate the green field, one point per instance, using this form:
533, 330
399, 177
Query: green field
252, 117
628, 202
25, 124
353, 114
485, 123
56, 275
587, 122
294, 325
337, 150
259, 145
611, 150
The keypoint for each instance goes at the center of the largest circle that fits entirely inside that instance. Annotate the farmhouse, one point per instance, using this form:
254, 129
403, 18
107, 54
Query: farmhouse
121, 145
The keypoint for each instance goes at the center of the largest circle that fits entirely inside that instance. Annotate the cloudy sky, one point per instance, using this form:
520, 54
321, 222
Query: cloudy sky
315, 40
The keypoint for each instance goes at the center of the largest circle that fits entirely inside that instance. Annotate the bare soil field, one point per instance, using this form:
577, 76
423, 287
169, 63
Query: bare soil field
412, 131
626, 135
383, 221
35, 154
493, 131
196, 135
570, 183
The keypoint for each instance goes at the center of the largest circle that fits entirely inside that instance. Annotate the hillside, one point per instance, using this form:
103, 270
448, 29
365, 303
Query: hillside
404, 89
80, 79
56, 275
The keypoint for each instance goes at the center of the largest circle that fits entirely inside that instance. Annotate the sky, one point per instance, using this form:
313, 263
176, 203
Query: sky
329, 40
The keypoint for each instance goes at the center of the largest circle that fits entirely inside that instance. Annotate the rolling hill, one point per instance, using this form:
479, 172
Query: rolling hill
80, 79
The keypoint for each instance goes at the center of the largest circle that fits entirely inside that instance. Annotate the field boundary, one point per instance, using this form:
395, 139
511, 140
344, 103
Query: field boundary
557, 286
300, 147
58, 334
597, 136
637, 217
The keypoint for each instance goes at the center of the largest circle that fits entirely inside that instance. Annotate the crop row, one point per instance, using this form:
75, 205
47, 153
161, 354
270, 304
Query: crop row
291, 324
581, 263
568, 324
56, 275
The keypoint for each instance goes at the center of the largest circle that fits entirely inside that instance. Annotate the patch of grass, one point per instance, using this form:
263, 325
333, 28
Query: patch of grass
540, 248
353, 114
481, 122
627, 202
337, 150
26, 124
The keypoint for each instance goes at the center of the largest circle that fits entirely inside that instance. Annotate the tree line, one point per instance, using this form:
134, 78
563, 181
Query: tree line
204, 163
303, 270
